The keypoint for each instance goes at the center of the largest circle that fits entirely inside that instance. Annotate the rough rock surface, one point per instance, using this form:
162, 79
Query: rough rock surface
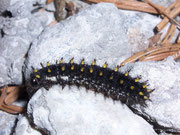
7, 122
77, 111
163, 77
4, 4
18, 33
23, 127
89, 34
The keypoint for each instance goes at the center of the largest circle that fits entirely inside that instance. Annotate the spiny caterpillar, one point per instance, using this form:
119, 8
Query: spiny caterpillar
111, 83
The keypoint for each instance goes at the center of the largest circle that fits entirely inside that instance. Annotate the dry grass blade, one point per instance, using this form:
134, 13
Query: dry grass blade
13, 109
158, 57
13, 93
176, 55
162, 12
169, 35
152, 52
131, 5
10, 93
137, 6
174, 10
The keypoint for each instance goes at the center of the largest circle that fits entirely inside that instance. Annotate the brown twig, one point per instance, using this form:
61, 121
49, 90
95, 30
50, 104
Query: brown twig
131, 5
173, 10
163, 12
158, 57
5, 93
169, 35
164, 50
157, 51
137, 6
176, 55
12, 93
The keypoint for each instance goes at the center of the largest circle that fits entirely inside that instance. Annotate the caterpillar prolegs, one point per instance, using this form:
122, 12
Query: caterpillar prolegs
111, 83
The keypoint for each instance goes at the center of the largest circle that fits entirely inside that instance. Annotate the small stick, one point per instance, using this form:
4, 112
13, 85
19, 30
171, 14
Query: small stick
162, 12
3, 95
11, 97
12, 109
170, 8
173, 13
158, 57
9, 108
152, 50
177, 55
131, 5
170, 49
138, 6
169, 35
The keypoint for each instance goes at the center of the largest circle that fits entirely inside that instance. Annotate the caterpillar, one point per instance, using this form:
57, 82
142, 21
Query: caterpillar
111, 83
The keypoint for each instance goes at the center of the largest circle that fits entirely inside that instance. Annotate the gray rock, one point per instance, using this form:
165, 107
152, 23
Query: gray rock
102, 32
76, 111
23, 128
163, 77
7, 122
19, 31
93, 33
4, 4
23, 8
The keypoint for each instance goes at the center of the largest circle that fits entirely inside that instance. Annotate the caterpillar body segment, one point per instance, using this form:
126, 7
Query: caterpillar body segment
101, 79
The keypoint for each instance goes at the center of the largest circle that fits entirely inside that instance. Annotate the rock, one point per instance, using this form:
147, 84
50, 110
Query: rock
17, 33
25, 7
106, 37
102, 32
89, 34
7, 122
4, 4
164, 78
23, 128
77, 111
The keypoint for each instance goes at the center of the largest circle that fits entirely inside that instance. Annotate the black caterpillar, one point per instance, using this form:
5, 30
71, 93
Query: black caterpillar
111, 83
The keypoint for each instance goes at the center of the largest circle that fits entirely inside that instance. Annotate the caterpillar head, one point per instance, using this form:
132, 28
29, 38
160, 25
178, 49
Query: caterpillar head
34, 83
36, 78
